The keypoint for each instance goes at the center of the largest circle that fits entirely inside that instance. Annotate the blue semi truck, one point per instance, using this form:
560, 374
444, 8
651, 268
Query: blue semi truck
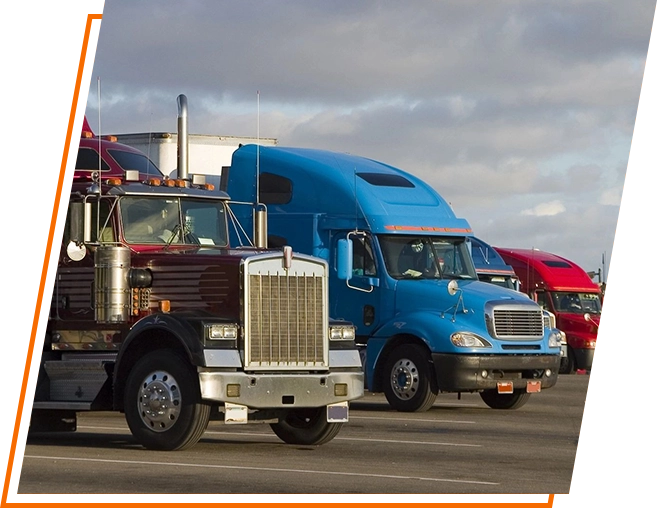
490, 266
401, 270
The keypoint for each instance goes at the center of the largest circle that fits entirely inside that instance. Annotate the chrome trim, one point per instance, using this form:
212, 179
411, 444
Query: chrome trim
514, 320
344, 358
285, 313
222, 358
283, 390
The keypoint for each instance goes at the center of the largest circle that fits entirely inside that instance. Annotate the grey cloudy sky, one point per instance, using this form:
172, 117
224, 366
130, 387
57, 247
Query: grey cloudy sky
519, 113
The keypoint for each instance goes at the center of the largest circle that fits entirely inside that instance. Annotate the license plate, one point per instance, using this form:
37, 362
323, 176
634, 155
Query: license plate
337, 412
533, 386
504, 387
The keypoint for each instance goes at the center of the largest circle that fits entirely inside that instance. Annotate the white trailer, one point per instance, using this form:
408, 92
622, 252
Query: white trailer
208, 154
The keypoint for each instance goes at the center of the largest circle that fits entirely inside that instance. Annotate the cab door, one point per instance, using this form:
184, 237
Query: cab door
357, 300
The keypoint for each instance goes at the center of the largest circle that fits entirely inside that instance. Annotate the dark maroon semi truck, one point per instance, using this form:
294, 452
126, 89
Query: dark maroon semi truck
153, 314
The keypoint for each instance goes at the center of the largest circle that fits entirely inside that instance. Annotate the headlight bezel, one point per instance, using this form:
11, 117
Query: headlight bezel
345, 333
221, 332
469, 340
555, 339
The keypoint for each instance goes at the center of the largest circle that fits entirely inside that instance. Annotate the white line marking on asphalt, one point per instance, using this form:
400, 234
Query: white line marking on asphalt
257, 434
251, 468
352, 417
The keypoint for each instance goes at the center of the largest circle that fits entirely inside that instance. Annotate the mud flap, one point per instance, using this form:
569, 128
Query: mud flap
45, 420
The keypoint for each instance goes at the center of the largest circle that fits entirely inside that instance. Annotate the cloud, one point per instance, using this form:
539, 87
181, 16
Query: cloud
546, 209
498, 105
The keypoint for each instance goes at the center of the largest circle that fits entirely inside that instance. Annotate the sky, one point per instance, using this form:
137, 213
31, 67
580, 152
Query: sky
520, 114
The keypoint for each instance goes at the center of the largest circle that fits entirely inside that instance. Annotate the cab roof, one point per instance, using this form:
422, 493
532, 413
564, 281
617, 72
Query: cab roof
355, 189
549, 271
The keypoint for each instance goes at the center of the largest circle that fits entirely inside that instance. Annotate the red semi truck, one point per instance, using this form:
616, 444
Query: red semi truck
566, 290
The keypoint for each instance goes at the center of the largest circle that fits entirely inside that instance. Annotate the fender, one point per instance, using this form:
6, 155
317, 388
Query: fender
427, 327
183, 331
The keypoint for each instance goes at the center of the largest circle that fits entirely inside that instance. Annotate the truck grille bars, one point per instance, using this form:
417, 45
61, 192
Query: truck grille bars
517, 323
286, 323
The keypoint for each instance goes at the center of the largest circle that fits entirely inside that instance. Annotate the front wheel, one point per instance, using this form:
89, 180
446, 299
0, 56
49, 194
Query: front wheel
567, 365
306, 426
504, 400
162, 402
408, 384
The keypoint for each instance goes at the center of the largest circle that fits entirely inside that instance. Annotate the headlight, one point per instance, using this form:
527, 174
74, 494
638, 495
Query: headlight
222, 331
342, 332
554, 340
467, 339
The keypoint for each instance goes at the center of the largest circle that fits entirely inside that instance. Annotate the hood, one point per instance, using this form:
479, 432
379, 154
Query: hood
433, 293
575, 324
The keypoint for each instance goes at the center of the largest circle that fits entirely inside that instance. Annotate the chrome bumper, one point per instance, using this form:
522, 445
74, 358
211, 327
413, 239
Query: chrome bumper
284, 390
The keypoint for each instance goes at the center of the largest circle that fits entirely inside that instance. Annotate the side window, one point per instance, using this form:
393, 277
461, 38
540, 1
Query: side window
105, 227
88, 159
543, 300
275, 189
363, 257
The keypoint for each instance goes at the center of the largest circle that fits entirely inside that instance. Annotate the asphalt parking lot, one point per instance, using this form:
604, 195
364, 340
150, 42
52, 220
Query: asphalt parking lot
458, 446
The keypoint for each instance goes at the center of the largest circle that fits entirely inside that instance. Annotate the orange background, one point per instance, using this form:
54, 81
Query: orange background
48, 53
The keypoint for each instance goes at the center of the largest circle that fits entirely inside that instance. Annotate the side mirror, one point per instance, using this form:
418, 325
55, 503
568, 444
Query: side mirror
77, 229
345, 259
76, 223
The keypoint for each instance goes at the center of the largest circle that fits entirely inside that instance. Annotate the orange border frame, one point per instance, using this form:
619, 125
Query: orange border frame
50, 53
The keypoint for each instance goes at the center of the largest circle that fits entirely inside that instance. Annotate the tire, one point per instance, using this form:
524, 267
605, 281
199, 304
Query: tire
306, 426
496, 400
568, 364
408, 386
162, 402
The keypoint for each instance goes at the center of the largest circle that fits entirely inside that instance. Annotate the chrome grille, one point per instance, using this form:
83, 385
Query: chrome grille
518, 323
286, 321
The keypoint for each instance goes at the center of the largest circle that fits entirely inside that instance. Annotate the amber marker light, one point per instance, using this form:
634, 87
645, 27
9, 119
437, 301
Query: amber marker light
340, 389
233, 390
164, 305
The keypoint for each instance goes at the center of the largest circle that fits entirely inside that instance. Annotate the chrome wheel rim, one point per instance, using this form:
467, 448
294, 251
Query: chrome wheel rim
404, 379
159, 401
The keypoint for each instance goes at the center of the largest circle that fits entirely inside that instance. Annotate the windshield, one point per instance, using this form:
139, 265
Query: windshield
138, 161
427, 257
577, 303
498, 280
171, 220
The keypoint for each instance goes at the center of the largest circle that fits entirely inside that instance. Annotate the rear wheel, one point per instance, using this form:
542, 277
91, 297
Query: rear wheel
408, 384
306, 426
162, 402
504, 400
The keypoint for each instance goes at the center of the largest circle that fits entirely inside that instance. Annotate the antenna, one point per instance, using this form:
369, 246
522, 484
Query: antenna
257, 146
99, 129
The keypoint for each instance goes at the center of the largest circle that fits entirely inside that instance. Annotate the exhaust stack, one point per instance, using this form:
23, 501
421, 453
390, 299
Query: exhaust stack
183, 157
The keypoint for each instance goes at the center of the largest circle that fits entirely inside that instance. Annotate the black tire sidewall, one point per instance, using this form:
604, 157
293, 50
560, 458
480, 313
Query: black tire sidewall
424, 397
496, 400
178, 436
317, 431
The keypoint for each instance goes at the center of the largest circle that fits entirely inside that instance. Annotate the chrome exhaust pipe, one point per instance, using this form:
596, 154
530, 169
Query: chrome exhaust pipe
183, 156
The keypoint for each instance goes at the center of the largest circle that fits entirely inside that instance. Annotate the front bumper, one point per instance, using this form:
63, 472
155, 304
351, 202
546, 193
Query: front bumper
464, 373
583, 358
281, 390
